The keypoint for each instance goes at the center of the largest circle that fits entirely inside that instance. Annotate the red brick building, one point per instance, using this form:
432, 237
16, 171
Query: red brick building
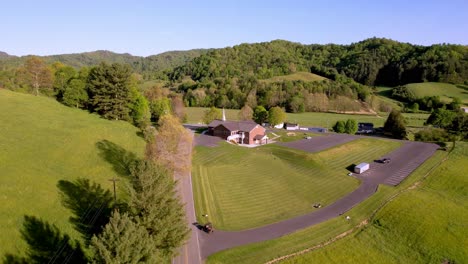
242, 132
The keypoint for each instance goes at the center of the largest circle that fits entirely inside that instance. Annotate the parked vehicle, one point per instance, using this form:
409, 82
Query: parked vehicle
384, 160
208, 227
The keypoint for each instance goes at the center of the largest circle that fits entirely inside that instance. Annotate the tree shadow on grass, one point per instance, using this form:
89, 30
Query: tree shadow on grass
351, 167
90, 203
46, 244
120, 158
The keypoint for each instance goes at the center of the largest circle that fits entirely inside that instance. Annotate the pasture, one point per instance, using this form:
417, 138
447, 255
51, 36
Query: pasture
316, 119
398, 233
317, 234
42, 142
297, 76
446, 91
241, 188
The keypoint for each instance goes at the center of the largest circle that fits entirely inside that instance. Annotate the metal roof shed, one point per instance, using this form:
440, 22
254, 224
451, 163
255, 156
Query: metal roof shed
362, 167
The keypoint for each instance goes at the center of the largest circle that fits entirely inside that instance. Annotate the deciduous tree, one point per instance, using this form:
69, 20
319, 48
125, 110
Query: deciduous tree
246, 113
260, 114
339, 127
37, 74
395, 125
351, 126
172, 145
276, 116
212, 114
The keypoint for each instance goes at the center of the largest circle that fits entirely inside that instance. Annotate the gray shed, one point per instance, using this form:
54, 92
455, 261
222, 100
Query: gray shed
362, 167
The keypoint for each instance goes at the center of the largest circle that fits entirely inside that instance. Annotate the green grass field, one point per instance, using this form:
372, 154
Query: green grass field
406, 232
241, 188
385, 94
195, 115
42, 142
298, 76
446, 91
309, 237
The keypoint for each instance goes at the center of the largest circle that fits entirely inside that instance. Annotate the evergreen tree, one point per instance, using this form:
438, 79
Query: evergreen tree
110, 90
140, 111
351, 126
339, 127
124, 240
395, 125
155, 202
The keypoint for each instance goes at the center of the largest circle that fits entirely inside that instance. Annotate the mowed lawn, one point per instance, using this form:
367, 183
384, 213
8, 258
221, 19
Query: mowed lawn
42, 142
241, 188
263, 252
446, 91
424, 225
315, 119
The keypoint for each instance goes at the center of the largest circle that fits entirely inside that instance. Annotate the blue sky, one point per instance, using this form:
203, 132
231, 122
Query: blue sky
149, 27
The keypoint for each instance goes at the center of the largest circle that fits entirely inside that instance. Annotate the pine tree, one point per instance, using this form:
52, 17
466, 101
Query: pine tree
124, 240
339, 127
110, 90
155, 202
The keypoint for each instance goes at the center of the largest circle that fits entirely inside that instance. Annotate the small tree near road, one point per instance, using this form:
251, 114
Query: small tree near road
351, 126
339, 127
395, 125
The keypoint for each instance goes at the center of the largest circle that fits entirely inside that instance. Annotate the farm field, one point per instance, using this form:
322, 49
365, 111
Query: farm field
398, 233
315, 235
298, 76
195, 115
446, 91
42, 142
241, 188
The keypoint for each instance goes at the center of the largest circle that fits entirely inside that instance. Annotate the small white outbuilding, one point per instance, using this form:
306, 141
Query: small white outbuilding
362, 167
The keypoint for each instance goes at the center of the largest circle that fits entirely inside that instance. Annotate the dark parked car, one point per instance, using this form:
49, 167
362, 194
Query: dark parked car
384, 160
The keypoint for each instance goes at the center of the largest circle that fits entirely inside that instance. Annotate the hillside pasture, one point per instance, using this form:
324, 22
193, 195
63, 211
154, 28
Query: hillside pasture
241, 188
297, 76
446, 91
43, 142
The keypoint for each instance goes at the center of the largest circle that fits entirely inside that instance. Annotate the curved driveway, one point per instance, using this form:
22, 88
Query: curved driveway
403, 161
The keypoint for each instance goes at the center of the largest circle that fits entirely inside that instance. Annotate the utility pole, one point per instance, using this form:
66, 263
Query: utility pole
113, 180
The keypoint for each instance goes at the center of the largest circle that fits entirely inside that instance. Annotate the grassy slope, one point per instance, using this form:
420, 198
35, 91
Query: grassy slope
195, 115
385, 94
406, 232
265, 251
42, 142
298, 76
242, 188
445, 90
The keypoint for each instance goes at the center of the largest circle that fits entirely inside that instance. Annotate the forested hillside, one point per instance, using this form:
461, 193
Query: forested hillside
293, 76
373, 61
144, 65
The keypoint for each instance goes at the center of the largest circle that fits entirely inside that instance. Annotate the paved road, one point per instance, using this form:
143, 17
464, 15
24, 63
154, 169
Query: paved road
190, 252
403, 161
